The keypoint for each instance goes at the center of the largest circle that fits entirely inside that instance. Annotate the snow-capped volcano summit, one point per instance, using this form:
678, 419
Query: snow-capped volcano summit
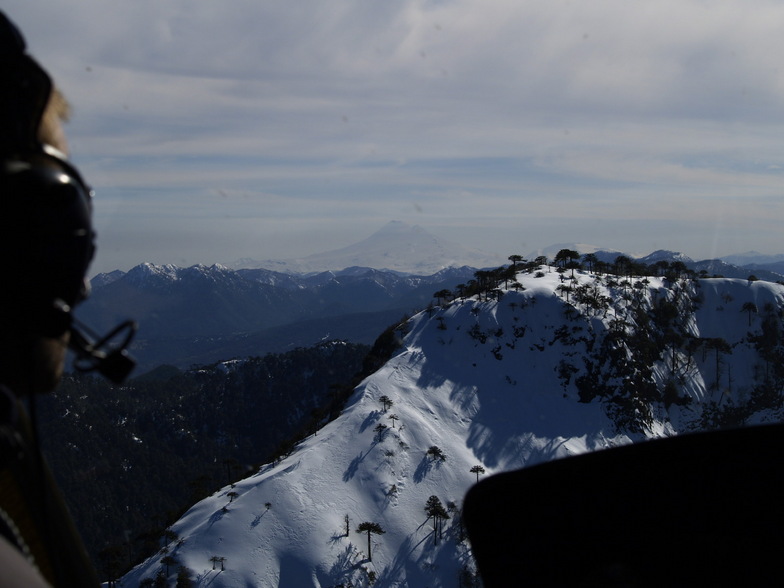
396, 246
535, 367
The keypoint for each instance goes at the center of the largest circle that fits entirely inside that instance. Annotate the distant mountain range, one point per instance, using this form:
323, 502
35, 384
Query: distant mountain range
202, 314
754, 258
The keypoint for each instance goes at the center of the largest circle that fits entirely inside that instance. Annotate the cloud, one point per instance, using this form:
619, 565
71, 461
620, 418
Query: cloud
354, 109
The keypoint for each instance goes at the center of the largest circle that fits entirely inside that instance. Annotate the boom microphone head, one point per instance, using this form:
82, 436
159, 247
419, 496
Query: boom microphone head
114, 362
117, 366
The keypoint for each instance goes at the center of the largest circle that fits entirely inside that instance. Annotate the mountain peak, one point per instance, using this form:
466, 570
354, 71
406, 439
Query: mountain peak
665, 255
397, 226
396, 246
150, 272
476, 382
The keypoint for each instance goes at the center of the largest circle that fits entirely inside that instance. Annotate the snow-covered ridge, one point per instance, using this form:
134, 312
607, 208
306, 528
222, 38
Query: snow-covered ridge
545, 367
167, 273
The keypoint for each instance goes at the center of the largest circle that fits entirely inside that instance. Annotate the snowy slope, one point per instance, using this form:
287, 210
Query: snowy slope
489, 382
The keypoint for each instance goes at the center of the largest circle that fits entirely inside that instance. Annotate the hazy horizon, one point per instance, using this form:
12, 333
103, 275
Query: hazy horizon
494, 257
217, 131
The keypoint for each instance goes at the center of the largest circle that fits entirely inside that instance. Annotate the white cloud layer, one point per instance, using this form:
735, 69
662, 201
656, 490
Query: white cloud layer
248, 128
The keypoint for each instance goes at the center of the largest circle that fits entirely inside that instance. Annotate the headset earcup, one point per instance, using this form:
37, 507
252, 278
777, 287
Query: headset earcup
46, 240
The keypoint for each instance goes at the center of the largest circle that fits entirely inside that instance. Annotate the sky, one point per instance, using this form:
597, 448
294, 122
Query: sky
213, 131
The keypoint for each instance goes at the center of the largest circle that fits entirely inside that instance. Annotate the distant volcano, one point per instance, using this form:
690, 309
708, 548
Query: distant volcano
396, 246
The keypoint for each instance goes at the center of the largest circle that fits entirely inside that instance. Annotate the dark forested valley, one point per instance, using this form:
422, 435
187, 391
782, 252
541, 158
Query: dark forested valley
130, 459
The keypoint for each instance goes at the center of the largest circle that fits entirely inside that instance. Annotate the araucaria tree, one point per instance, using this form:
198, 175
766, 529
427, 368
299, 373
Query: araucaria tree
515, 259
184, 578
590, 260
477, 469
168, 561
435, 453
386, 402
750, 308
368, 527
381, 430
437, 512
567, 259
442, 295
